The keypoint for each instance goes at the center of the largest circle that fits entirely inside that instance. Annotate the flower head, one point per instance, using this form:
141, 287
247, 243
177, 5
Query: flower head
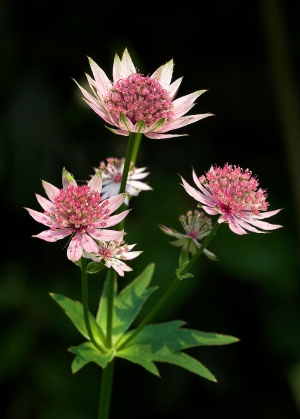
112, 177
113, 253
133, 102
233, 193
80, 212
196, 226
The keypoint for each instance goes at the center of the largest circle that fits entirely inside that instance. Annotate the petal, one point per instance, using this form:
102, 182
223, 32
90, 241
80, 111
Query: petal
40, 217
125, 123
139, 185
199, 196
119, 131
115, 219
128, 67
53, 236
266, 214
263, 224
164, 74
115, 202
156, 136
120, 266
96, 182
183, 121
99, 110
132, 255
209, 210
117, 69
45, 203
74, 251
105, 235
246, 225
67, 179
104, 84
88, 244
173, 88
187, 100
234, 226
51, 190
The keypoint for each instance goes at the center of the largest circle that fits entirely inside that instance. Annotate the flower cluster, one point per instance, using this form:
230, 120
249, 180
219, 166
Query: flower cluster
112, 176
196, 226
80, 212
233, 193
133, 102
113, 253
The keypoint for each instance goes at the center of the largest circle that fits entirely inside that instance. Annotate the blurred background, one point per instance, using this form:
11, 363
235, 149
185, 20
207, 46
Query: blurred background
247, 55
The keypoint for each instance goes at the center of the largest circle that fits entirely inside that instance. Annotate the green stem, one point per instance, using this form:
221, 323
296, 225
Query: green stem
86, 304
105, 393
136, 147
133, 144
200, 250
111, 277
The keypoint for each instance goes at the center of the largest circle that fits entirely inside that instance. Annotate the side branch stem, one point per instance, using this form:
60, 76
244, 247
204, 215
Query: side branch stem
201, 248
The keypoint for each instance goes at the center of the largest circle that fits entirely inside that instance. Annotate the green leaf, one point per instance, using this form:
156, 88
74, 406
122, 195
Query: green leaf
127, 304
94, 267
74, 310
187, 362
171, 336
133, 354
87, 352
130, 300
163, 343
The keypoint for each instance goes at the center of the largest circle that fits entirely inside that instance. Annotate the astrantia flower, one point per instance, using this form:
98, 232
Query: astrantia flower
80, 212
196, 226
113, 253
233, 193
112, 176
133, 102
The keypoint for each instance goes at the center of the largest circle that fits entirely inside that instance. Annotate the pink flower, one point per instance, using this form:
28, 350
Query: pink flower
112, 253
233, 193
78, 211
196, 226
133, 102
112, 176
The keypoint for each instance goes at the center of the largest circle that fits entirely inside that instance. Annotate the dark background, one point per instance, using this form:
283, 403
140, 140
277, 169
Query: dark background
246, 54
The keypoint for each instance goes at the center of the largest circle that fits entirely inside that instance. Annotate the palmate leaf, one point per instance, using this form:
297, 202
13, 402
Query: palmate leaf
127, 304
163, 343
87, 352
154, 343
74, 310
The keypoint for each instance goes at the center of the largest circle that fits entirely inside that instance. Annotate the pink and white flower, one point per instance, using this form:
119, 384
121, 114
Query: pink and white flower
233, 193
133, 102
80, 212
113, 253
112, 177
196, 226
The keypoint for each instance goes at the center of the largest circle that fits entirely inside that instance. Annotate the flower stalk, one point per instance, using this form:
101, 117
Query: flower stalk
85, 303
